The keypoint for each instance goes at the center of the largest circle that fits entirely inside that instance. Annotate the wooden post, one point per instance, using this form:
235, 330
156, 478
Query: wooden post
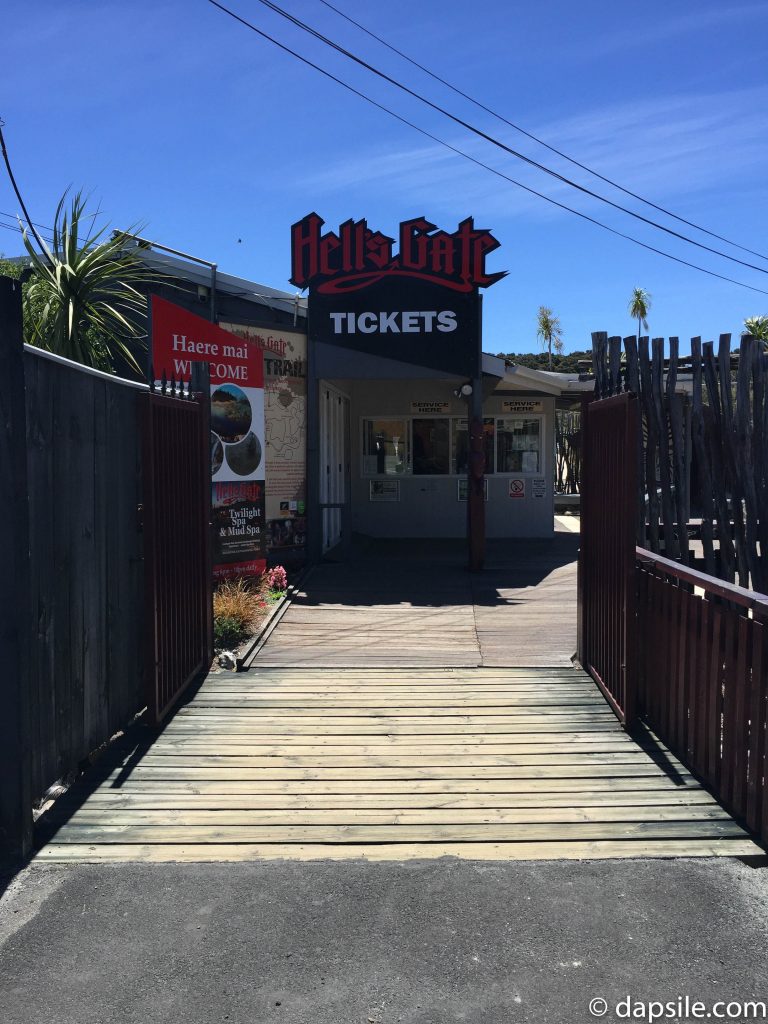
15, 637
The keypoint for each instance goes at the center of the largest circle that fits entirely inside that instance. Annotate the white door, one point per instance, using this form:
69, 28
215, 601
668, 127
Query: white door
334, 428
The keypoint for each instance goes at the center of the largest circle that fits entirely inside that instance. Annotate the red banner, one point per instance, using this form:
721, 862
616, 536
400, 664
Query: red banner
179, 339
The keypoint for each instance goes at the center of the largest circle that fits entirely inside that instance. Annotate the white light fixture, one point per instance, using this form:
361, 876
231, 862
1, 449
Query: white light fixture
466, 390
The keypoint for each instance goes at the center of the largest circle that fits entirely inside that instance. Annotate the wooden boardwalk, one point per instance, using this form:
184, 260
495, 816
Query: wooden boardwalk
394, 764
402, 709
413, 603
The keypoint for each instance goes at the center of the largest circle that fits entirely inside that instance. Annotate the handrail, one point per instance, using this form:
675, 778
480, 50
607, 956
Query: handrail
730, 591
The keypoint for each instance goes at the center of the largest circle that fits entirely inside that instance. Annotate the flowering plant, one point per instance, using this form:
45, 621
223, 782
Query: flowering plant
277, 578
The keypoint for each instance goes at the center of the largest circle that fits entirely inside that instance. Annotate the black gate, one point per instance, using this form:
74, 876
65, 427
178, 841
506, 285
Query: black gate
607, 554
177, 556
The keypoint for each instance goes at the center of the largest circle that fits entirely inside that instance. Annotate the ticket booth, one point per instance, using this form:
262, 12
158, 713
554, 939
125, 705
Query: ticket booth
396, 377
393, 452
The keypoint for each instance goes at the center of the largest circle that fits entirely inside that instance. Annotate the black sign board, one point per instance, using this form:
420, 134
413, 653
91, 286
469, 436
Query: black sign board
419, 305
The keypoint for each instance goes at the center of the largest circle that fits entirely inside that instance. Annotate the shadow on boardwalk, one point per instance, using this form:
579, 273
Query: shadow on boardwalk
413, 602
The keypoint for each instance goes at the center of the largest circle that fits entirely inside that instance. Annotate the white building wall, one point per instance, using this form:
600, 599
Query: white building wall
429, 505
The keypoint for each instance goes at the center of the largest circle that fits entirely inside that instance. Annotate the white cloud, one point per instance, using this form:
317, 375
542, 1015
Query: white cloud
669, 149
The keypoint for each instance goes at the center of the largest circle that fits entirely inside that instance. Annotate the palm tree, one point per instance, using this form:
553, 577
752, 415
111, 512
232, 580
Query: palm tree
757, 326
549, 331
639, 304
82, 300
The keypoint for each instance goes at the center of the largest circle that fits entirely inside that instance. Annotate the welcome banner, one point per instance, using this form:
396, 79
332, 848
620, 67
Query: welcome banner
179, 339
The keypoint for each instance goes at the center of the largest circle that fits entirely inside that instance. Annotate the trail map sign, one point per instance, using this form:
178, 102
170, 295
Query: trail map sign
180, 338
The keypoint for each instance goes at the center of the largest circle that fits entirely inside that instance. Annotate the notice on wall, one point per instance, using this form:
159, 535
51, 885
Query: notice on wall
384, 490
462, 488
521, 405
517, 487
430, 408
285, 430
539, 487
179, 339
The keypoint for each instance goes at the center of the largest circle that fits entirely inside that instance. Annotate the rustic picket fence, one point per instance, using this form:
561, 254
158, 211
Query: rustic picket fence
702, 498
567, 451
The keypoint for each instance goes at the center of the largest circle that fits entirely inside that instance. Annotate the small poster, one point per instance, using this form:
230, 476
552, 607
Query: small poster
530, 462
429, 408
522, 405
517, 488
539, 487
462, 489
384, 490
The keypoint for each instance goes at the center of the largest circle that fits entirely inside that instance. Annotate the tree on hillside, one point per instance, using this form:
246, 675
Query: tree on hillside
757, 326
82, 300
564, 363
549, 331
639, 304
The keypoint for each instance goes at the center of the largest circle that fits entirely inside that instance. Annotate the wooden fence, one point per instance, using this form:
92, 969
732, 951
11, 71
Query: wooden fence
702, 497
567, 451
703, 679
72, 569
86, 570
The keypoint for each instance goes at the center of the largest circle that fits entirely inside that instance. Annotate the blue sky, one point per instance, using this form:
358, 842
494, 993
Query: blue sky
175, 117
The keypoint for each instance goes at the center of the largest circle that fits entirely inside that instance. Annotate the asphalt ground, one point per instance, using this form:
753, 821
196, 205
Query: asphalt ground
423, 941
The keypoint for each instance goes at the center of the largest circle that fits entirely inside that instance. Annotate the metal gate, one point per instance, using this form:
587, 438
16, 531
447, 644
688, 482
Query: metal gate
177, 557
607, 554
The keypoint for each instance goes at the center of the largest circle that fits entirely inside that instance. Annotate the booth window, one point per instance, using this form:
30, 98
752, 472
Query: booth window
431, 447
460, 465
518, 445
385, 447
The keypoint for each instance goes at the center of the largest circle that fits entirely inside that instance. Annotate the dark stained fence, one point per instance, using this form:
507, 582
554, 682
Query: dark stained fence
703, 679
607, 553
15, 700
86, 572
176, 522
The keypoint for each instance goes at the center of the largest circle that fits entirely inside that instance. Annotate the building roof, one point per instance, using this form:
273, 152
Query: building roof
202, 273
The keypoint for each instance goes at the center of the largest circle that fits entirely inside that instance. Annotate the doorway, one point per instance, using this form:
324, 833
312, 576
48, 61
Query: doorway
334, 464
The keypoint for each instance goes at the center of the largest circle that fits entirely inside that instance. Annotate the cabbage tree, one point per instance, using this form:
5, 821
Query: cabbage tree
83, 300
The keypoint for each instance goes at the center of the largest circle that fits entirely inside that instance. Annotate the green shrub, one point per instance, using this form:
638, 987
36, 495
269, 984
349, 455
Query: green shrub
228, 631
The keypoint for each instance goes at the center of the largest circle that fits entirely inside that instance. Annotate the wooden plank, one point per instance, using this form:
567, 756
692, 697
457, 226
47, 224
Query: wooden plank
177, 773
725, 829
391, 760
143, 785
173, 800
486, 851
427, 731
294, 817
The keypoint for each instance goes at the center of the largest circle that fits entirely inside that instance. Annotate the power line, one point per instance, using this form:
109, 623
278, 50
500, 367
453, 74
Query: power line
12, 216
490, 138
474, 160
535, 138
41, 244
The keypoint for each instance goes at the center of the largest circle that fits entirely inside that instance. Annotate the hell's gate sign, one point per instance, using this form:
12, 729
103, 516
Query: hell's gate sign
179, 339
419, 305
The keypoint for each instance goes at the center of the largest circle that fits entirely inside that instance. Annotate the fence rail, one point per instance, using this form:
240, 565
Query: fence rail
703, 679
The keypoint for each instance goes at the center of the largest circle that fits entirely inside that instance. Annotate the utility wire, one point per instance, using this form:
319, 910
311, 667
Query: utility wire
474, 160
490, 138
41, 244
535, 138
12, 216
